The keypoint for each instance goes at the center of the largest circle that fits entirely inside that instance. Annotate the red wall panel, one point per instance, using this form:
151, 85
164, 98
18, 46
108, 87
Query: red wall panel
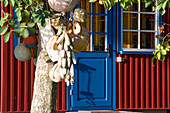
142, 86
17, 79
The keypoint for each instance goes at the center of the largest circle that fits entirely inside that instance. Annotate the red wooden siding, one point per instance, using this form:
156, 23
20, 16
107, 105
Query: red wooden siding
142, 86
17, 79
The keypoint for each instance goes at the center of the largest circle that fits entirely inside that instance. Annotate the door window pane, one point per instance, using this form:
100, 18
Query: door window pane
97, 8
147, 21
99, 23
147, 40
130, 39
99, 42
130, 21
85, 5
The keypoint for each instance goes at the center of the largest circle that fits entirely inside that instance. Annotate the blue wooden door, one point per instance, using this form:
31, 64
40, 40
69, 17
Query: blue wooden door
94, 87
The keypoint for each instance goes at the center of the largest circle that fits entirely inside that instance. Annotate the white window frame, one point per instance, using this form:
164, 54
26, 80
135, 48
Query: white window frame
138, 30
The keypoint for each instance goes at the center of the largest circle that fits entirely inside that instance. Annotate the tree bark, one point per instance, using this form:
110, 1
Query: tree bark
45, 90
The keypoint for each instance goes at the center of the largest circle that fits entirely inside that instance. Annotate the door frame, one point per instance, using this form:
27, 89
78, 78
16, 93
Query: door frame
112, 14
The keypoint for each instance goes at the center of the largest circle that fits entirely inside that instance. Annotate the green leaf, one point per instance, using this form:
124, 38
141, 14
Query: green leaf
25, 33
19, 18
23, 24
18, 13
112, 2
148, 3
36, 19
29, 2
159, 55
153, 60
153, 8
18, 32
3, 30
6, 37
31, 24
101, 2
12, 2
5, 3
162, 57
159, 6
92, 0
6, 16
159, 37
163, 52
162, 11
41, 3
26, 13
168, 36
166, 49
13, 24
155, 52
43, 22
32, 31
2, 22
122, 4
164, 4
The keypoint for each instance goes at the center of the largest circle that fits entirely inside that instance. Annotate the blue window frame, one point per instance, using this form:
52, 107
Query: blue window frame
136, 29
96, 25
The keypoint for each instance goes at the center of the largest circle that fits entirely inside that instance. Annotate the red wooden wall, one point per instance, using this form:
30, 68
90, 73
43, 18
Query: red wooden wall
142, 86
17, 79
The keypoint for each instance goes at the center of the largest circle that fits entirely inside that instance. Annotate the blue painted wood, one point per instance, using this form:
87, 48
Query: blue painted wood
95, 74
15, 37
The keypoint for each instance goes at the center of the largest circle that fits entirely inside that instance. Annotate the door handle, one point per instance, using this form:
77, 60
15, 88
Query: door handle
108, 50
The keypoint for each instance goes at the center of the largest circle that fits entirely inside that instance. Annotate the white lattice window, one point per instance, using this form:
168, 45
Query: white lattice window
139, 28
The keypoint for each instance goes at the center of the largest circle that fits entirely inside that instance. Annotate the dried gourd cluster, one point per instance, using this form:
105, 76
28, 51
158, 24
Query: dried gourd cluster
71, 37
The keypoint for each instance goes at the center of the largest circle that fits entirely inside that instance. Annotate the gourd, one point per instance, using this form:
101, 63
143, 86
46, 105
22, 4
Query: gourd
81, 40
62, 5
22, 53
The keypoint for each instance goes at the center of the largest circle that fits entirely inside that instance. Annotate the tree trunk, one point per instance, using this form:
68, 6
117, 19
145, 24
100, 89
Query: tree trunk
45, 90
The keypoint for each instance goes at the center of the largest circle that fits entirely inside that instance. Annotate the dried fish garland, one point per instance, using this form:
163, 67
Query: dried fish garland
65, 58
71, 37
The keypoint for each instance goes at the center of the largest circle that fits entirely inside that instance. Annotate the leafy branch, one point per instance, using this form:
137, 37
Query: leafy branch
163, 47
29, 12
125, 4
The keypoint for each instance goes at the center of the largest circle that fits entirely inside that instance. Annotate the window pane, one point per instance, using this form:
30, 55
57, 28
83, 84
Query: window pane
147, 22
130, 21
97, 8
148, 9
147, 40
130, 39
99, 42
134, 7
99, 23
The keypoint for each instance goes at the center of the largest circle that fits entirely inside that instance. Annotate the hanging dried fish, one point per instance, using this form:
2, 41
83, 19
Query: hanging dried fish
61, 38
54, 74
64, 62
67, 39
59, 31
73, 58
